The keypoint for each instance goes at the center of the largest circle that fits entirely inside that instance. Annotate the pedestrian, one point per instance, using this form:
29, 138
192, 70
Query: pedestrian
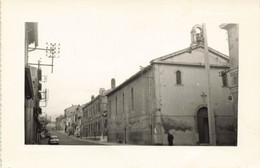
120, 140
170, 139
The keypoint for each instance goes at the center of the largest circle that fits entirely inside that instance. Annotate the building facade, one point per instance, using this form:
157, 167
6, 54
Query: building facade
60, 123
168, 96
233, 45
70, 115
129, 110
78, 120
32, 104
95, 116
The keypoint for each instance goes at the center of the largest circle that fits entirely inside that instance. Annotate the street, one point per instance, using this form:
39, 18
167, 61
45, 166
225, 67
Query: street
64, 139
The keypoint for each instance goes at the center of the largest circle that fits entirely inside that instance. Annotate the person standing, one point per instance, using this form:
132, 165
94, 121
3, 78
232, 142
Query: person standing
170, 139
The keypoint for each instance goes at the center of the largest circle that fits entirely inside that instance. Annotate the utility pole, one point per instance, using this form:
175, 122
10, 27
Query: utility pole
211, 116
200, 38
52, 51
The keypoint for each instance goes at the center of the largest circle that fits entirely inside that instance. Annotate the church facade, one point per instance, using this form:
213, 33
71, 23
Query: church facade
169, 96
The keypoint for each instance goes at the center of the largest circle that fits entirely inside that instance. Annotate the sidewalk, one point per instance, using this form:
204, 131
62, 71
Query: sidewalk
92, 141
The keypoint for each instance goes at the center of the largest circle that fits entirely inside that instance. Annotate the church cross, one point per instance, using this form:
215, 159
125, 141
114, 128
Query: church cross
203, 96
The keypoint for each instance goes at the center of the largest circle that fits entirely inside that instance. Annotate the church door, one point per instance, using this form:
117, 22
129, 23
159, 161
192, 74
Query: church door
203, 125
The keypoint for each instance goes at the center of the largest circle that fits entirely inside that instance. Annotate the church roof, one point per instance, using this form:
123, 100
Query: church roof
137, 74
188, 49
161, 59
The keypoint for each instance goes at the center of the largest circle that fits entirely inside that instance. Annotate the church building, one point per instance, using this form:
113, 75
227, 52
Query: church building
169, 96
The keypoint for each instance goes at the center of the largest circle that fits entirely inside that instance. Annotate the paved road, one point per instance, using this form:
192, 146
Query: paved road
67, 140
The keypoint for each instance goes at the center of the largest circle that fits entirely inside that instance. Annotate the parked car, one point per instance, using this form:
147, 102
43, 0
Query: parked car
53, 140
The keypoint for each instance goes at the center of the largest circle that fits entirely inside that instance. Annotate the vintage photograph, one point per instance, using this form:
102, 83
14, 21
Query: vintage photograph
187, 97
130, 84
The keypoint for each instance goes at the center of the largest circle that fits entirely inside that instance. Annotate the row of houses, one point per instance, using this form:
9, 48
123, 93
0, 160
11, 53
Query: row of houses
32, 109
33, 87
167, 96
35, 97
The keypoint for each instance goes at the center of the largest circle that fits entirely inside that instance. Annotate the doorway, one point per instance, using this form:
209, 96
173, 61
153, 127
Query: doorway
203, 125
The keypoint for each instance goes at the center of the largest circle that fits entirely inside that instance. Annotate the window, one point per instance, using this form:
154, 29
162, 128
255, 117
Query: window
89, 128
116, 106
109, 108
105, 125
224, 78
132, 98
99, 104
98, 127
123, 103
178, 77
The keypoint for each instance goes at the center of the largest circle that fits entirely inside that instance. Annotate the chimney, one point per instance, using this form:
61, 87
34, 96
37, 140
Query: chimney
92, 97
113, 83
101, 91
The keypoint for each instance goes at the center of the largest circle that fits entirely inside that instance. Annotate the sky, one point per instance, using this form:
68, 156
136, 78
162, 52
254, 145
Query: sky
101, 40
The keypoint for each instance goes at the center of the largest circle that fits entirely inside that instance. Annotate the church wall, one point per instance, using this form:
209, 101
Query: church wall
127, 122
179, 103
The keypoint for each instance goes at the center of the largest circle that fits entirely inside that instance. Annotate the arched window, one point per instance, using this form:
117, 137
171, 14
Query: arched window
178, 77
224, 78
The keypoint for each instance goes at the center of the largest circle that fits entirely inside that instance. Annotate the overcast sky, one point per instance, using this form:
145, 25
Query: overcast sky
101, 40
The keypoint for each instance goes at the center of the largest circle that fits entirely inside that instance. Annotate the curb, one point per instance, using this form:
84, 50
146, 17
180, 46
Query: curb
91, 141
